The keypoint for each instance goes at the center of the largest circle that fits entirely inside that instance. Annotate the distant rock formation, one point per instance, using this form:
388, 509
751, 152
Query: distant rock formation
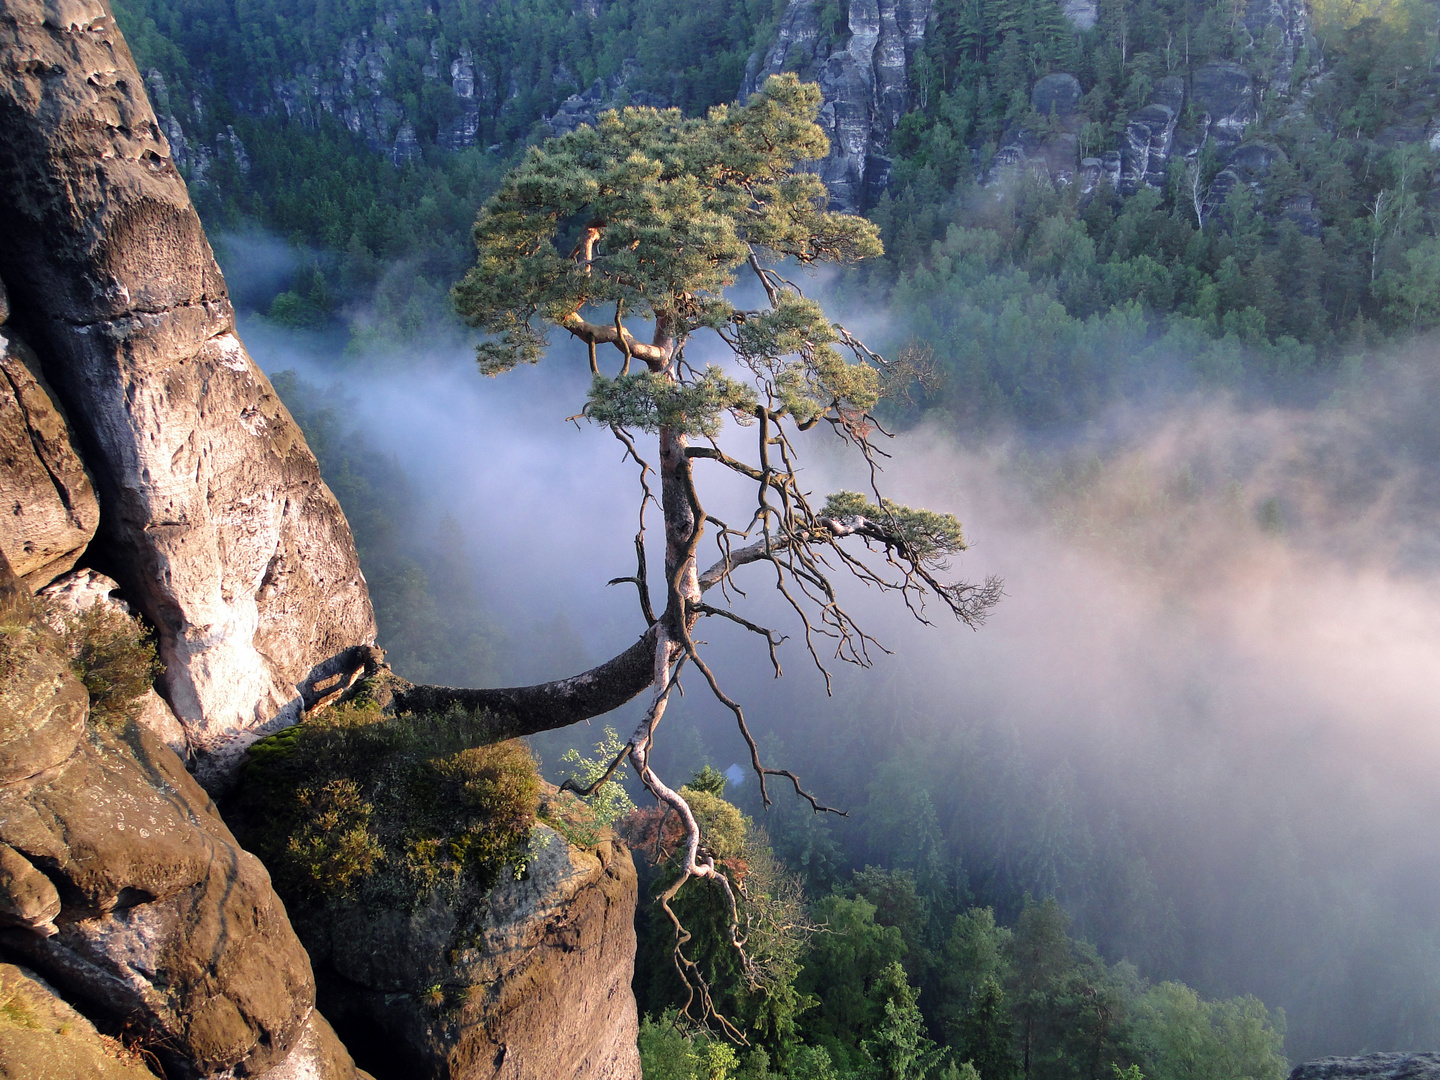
1393, 1066
611, 93
214, 519
864, 81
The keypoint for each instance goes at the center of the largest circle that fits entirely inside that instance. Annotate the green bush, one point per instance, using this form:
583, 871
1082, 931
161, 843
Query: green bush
113, 656
355, 802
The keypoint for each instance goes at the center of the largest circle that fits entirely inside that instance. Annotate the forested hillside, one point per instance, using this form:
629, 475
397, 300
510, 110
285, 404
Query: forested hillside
1219, 191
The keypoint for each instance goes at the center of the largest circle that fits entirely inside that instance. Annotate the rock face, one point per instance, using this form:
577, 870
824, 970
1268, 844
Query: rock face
215, 520
1399, 1066
864, 82
120, 885
43, 1038
1224, 95
534, 985
48, 511
611, 93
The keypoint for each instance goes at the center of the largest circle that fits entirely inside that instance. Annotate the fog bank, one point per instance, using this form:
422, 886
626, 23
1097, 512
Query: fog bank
1214, 672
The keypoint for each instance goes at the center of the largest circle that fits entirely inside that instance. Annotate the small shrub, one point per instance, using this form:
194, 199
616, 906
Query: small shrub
392, 808
112, 655
606, 805
333, 845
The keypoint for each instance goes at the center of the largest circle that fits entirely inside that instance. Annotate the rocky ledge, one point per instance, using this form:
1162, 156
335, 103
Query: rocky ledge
1391, 1066
537, 986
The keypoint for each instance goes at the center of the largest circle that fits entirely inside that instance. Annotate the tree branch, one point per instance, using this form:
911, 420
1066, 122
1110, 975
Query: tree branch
525, 710
656, 356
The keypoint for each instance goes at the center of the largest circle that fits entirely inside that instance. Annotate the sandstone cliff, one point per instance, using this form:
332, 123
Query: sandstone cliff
148, 466
214, 519
122, 888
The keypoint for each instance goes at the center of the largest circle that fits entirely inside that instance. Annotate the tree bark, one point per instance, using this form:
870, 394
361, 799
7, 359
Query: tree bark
525, 710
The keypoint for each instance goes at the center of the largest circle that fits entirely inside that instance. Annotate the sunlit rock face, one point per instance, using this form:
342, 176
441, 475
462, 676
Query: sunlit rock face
862, 72
121, 887
214, 519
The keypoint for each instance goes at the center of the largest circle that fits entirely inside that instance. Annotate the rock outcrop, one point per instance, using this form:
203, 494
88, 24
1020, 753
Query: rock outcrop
611, 93
43, 1038
48, 512
864, 81
214, 518
532, 985
120, 885
1394, 1066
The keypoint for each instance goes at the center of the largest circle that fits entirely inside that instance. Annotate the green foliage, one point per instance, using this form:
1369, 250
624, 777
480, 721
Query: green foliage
846, 959
926, 535
722, 826
647, 402
669, 1051
709, 780
898, 1048
113, 654
332, 847
760, 997
608, 803
669, 208
354, 803
1186, 1038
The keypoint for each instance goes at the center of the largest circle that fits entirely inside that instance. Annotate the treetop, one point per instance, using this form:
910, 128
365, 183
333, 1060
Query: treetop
652, 213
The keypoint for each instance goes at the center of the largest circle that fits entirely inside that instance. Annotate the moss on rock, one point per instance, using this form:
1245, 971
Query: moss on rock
354, 803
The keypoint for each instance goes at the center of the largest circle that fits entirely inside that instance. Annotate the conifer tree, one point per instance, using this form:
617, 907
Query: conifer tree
651, 216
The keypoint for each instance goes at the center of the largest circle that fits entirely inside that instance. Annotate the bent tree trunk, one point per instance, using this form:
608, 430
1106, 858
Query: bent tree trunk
527, 710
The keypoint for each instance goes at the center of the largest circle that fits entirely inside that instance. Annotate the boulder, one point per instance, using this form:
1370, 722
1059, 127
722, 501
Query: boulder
214, 518
43, 1038
74, 593
1057, 95
165, 918
48, 512
1392, 1066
